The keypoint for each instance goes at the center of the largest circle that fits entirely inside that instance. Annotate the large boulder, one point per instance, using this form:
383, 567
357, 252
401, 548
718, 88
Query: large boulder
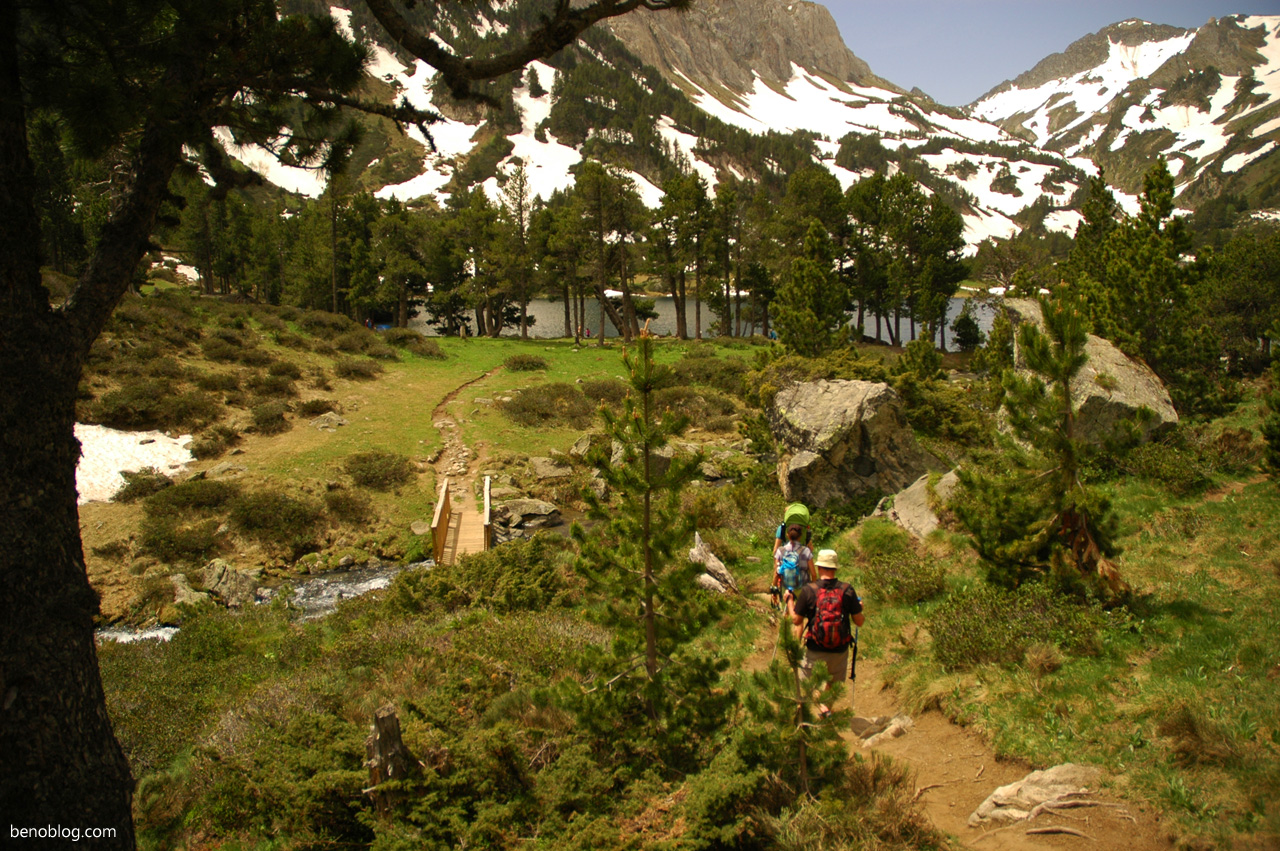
841, 439
1110, 389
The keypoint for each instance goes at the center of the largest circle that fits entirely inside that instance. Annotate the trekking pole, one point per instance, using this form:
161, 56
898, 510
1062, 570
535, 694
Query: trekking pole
853, 669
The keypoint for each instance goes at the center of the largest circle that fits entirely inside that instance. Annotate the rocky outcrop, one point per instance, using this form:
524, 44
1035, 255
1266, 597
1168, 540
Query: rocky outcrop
723, 45
234, 587
841, 439
1110, 389
912, 507
715, 569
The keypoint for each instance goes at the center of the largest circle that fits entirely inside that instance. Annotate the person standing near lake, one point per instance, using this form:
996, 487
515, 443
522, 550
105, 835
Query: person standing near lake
829, 606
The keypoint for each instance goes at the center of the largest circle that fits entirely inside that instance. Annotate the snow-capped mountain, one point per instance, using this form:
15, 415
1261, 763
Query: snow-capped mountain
755, 89
1208, 99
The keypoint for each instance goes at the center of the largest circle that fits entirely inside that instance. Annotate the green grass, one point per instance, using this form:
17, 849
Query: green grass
1179, 701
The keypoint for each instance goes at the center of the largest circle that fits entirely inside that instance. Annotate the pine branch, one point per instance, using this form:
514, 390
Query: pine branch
554, 33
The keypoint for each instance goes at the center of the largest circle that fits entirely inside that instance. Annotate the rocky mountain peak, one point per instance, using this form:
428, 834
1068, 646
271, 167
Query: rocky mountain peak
726, 43
1089, 52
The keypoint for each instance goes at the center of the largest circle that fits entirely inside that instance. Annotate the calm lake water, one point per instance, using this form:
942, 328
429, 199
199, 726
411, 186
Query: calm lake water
549, 320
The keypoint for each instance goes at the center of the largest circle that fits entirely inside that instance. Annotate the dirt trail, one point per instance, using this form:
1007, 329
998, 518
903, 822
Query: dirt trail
955, 770
457, 461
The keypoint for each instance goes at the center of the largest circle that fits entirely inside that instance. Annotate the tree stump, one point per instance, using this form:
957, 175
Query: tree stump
388, 759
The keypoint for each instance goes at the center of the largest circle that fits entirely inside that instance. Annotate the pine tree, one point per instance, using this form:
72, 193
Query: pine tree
809, 311
650, 682
1040, 518
801, 745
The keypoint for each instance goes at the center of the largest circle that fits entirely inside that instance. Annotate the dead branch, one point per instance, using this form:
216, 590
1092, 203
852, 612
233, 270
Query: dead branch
1057, 828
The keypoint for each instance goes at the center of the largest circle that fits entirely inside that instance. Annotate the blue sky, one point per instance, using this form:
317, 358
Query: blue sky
956, 50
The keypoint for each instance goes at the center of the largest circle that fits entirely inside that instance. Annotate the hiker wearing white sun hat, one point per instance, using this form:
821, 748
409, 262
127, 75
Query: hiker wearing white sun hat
830, 606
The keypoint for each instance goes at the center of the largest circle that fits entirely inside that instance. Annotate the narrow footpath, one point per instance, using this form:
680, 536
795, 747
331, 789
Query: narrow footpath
954, 770
460, 464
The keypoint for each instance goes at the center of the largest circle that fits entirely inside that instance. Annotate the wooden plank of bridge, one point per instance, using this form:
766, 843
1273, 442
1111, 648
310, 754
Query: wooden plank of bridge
466, 528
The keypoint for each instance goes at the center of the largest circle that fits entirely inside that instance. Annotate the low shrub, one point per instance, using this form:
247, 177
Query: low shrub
401, 337
256, 357
154, 404
349, 506
610, 391
700, 366
1198, 739
315, 407
904, 577
1175, 468
166, 538
290, 341
193, 495
218, 381
268, 418
285, 369
140, 484
379, 470
699, 404
267, 322
525, 363
214, 441
272, 385
381, 351
426, 348
549, 405
354, 342
879, 536
325, 325
276, 518
520, 575
357, 369
988, 624
721, 424
219, 350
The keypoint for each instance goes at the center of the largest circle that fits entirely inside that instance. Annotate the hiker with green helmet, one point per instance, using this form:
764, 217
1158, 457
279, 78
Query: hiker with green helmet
829, 606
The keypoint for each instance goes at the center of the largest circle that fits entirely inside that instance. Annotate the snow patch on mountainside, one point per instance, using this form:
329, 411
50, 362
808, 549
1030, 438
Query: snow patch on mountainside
1091, 91
1238, 161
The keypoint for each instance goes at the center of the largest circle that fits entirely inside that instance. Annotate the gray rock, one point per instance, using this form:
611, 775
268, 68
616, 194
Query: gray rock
911, 506
545, 469
707, 582
520, 511
503, 493
898, 726
840, 439
710, 470
347, 561
420, 527
581, 446
1109, 390
1015, 801
597, 485
701, 554
226, 468
234, 587
184, 594
328, 422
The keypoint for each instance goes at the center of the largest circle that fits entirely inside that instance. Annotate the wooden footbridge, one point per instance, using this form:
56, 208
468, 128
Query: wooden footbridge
457, 527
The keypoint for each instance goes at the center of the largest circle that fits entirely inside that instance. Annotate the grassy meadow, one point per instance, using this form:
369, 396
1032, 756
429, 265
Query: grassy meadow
248, 729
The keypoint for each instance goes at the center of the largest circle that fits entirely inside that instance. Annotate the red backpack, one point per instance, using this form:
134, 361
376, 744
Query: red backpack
829, 626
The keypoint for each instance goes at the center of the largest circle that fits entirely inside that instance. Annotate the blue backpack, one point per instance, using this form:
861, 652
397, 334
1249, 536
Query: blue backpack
789, 570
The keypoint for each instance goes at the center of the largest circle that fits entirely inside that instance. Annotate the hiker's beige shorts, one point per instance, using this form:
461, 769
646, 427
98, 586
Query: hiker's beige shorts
837, 663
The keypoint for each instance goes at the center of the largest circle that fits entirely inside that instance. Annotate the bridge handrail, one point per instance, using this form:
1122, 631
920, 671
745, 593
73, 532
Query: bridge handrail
440, 522
488, 524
